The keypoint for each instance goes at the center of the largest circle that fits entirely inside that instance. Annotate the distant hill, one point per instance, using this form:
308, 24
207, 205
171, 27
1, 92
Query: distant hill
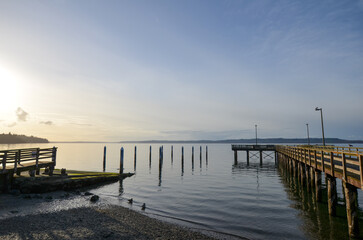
14, 138
259, 140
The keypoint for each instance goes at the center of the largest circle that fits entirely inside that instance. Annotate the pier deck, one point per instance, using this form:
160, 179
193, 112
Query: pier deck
16, 161
249, 148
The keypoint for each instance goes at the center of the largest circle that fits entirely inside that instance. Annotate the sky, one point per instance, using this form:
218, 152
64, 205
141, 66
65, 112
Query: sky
181, 70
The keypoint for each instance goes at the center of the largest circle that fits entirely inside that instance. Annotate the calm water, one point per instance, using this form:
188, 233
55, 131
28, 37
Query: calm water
255, 202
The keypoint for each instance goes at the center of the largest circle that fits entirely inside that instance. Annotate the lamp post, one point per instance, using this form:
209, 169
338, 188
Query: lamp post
307, 129
322, 124
256, 132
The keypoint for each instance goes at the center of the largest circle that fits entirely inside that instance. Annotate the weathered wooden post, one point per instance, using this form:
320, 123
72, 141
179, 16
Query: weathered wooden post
235, 157
318, 185
298, 171
308, 180
160, 159
182, 154
150, 156
302, 165
135, 151
172, 153
351, 203
312, 177
248, 157
37, 170
260, 157
206, 154
104, 158
193, 155
162, 153
122, 160
182, 161
332, 194
54, 155
200, 153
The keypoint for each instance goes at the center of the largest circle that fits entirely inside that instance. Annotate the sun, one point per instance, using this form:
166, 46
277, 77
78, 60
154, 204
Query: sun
9, 93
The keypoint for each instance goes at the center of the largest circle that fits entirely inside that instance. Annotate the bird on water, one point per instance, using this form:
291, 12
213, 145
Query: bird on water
143, 206
130, 200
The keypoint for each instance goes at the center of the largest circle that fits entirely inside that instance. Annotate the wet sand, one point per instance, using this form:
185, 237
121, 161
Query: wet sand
112, 222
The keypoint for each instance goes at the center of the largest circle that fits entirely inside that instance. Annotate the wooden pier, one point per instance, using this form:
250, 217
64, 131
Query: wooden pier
16, 161
252, 148
307, 163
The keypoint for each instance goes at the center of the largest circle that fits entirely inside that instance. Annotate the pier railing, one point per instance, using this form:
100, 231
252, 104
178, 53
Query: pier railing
253, 147
16, 160
345, 163
334, 148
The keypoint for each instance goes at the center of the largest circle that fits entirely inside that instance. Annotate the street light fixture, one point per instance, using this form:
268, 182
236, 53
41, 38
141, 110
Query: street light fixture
256, 132
322, 124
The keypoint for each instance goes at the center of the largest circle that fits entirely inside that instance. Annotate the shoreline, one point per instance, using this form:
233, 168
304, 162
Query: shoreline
94, 222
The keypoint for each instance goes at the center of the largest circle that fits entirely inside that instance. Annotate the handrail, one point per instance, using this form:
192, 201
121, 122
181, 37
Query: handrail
346, 165
17, 156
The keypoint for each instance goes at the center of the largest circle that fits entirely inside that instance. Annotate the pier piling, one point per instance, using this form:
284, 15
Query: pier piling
135, 158
104, 158
352, 209
193, 155
182, 153
150, 156
332, 194
172, 153
122, 160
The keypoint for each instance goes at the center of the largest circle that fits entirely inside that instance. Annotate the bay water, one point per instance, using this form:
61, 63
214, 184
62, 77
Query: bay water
210, 194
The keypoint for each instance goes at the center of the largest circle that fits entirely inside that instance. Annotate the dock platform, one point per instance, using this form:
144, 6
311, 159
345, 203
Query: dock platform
253, 148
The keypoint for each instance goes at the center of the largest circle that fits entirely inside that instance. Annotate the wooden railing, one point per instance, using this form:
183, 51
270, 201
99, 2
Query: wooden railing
12, 160
345, 163
253, 147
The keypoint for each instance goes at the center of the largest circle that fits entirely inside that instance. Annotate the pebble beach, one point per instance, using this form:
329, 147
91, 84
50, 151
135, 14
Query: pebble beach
112, 222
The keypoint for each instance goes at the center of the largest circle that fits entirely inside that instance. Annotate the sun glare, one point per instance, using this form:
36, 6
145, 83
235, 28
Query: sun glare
9, 96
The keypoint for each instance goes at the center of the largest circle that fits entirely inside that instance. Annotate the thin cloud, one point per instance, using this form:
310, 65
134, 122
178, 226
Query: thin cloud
11, 124
21, 114
47, 123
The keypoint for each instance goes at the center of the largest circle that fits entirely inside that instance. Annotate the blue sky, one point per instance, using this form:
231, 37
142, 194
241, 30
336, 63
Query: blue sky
139, 70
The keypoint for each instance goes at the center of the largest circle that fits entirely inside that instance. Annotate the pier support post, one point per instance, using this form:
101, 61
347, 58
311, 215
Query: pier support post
261, 158
318, 185
308, 179
193, 155
332, 194
248, 157
104, 158
312, 177
200, 155
302, 165
235, 158
182, 154
206, 154
122, 160
351, 203
135, 158
298, 166
150, 156
160, 159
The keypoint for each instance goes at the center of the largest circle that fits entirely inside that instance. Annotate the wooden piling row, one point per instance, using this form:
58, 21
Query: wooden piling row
308, 164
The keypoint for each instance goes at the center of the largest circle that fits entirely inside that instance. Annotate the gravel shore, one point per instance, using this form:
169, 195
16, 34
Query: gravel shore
113, 222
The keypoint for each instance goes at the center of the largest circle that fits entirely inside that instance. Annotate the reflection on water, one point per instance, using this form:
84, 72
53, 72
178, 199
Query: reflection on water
316, 222
247, 200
